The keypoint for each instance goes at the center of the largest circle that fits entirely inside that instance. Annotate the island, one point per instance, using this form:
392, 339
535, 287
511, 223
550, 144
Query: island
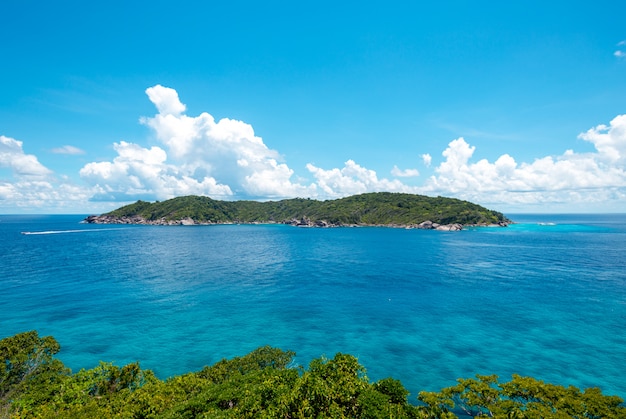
370, 209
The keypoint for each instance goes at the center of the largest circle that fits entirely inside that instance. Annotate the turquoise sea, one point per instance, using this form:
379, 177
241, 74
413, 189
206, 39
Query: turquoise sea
545, 297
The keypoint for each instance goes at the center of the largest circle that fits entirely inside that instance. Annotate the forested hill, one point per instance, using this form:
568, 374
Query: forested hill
381, 208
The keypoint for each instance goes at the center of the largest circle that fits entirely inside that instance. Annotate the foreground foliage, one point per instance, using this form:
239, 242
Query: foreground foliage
382, 208
264, 384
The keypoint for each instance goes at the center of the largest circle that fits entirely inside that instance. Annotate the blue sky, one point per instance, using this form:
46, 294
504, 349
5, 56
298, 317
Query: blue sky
519, 107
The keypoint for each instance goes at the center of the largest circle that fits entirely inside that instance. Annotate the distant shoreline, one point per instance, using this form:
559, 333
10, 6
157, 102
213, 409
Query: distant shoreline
304, 222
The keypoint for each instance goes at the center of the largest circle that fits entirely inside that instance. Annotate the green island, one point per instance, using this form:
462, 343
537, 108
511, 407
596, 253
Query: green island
370, 209
266, 384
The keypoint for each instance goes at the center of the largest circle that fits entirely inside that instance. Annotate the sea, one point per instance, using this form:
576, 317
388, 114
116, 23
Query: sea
545, 297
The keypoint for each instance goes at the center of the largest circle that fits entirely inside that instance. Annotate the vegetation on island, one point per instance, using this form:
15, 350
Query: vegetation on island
380, 208
265, 384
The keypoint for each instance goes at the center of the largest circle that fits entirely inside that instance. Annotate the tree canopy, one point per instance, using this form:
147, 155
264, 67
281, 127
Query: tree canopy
266, 384
381, 208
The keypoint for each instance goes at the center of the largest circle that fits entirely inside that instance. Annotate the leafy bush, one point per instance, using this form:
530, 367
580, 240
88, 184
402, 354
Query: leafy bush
381, 208
264, 384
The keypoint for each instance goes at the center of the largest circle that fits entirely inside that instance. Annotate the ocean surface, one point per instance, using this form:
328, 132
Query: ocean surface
545, 297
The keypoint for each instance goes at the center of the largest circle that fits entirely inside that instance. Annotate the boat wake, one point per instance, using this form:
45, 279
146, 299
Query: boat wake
31, 233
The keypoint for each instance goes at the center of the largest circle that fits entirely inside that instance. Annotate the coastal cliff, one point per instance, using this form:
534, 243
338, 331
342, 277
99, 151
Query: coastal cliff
371, 209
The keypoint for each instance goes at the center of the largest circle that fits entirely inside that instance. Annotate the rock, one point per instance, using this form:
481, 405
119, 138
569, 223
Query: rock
426, 225
450, 227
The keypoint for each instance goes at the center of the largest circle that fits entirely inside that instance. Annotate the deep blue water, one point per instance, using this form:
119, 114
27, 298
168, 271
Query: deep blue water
545, 297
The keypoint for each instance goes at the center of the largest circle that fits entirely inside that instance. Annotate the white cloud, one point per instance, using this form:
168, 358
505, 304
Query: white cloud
397, 172
200, 156
570, 178
138, 172
354, 179
226, 159
218, 158
33, 186
68, 149
47, 196
23, 165
610, 141
166, 100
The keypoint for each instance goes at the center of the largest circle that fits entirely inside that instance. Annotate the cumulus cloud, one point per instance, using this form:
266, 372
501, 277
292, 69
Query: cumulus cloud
166, 100
33, 186
53, 196
139, 172
610, 141
23, 165
567, 178
68, 149
354, 179
397, 172
225, 159
199, 156
222, 159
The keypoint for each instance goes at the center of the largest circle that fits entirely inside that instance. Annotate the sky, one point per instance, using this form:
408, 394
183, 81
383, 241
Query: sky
517, 106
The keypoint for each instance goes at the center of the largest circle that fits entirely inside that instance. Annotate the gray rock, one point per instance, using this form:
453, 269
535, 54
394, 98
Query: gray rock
450, 227
426, 225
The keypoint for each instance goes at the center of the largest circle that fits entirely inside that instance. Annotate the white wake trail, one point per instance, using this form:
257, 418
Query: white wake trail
29, 233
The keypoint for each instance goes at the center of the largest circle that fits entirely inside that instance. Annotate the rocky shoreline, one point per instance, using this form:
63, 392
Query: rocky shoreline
303, 222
